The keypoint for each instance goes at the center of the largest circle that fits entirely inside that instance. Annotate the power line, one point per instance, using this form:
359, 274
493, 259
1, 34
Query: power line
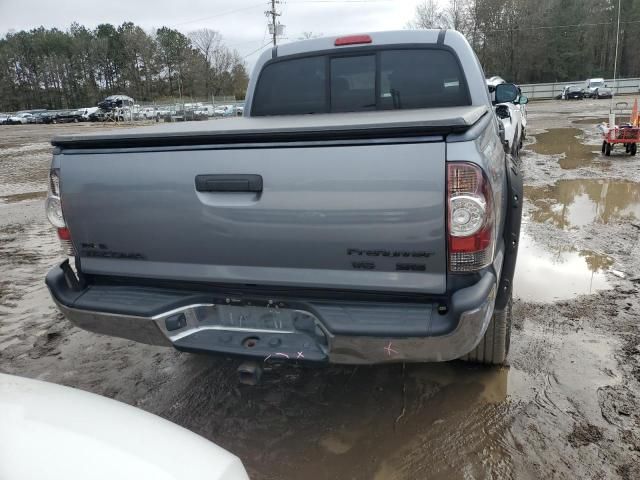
551, 27
229, 12
258, 49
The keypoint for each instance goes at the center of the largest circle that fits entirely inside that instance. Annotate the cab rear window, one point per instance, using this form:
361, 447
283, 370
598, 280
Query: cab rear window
373, 80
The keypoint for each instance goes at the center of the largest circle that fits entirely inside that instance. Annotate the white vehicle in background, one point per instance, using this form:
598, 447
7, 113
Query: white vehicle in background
53, 432
148, 113
596, 88
224, 111
205, 110
513, 116
163, 111
87, 112
20, 118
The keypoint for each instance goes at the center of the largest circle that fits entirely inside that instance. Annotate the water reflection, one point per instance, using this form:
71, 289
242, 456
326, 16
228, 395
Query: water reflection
383, 422
579, 202
543, 275
557, 141
590, 121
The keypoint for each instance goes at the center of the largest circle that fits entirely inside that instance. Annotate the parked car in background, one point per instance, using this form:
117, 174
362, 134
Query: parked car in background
21, 118
46, 117
570, 92
240, 109
163, 111
68, 116
53, 432
97, 116
206, 110
148, 113
513, 115
85, 113
116, 101
4, 118
603, 92
596, 88
223, 111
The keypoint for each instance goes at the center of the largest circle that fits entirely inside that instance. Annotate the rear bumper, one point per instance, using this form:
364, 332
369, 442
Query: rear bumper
302, 330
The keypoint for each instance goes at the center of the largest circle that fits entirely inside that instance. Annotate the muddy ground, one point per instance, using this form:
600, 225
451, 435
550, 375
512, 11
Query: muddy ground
566, 407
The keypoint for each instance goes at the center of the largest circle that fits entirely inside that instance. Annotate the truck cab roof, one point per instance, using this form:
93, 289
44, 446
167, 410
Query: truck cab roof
450, 40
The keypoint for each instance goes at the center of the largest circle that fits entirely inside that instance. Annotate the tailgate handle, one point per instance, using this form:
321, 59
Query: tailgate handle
229, 183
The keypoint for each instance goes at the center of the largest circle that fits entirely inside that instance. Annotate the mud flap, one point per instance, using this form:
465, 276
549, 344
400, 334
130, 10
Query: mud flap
512, 222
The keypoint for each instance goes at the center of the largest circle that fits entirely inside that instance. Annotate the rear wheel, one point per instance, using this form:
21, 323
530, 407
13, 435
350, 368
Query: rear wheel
633, 149
494, 346
604, 145
607, 149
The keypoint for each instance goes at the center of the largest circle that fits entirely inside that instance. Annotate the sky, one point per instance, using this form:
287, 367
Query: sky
241, 22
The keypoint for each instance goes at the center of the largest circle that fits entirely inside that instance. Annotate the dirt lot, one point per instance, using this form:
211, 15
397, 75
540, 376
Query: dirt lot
567, 407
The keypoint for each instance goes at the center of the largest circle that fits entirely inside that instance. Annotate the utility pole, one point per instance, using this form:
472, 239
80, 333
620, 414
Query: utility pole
274, 27
615, 62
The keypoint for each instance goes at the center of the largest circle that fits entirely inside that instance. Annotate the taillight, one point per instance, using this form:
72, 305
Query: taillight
53, 209
470, 219
352, 40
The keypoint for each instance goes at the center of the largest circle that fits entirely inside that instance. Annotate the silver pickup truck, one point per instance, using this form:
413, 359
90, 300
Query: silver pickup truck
363, 211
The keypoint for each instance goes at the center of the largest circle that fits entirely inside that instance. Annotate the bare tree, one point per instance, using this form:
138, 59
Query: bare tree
428, 15
456, 15
206, 41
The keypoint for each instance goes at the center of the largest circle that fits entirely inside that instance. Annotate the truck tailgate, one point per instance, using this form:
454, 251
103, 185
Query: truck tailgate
339, 201
363, 217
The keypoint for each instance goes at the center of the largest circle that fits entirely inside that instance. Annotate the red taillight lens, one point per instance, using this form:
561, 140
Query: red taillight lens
476, 242
53, 208
470, 221
64, 234
352, 40
65, 240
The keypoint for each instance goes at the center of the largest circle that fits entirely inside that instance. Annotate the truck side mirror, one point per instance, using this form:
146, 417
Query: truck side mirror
506, 93
523, 100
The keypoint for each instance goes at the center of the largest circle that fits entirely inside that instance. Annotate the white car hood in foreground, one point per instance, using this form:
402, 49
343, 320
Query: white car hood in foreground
58, 433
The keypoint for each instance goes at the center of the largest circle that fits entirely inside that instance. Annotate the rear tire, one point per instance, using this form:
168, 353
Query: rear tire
494, 346
607, 149
634, 149
604, 145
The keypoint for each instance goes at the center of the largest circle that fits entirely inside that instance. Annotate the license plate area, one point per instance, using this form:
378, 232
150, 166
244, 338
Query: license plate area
252, 317
241, 318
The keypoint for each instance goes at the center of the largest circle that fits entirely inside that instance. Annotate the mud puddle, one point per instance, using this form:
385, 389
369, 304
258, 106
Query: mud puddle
565, 142
22, 197
382, 422
578, 202
394, 422
589, 120
551, 271
22, 172
544, 275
